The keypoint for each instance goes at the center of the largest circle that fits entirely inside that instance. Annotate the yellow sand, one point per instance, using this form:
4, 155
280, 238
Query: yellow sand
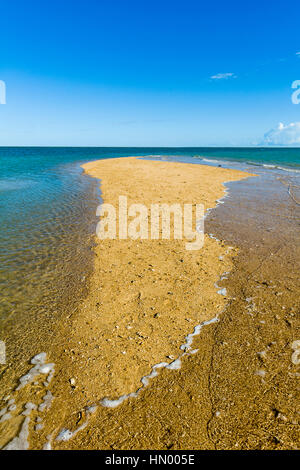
147, 295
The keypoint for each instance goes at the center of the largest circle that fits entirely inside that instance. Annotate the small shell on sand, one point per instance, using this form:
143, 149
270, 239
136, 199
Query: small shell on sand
296, 354
260, 373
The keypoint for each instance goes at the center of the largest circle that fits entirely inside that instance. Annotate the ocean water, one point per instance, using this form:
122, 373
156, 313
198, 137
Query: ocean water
47, 215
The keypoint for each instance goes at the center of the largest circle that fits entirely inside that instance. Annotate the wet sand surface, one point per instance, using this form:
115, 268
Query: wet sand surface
255, 371
239, 390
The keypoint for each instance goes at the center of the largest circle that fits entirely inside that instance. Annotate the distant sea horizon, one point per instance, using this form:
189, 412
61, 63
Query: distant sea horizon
289, 156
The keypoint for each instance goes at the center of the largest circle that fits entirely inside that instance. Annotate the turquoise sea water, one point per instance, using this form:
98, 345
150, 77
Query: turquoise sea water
47, 213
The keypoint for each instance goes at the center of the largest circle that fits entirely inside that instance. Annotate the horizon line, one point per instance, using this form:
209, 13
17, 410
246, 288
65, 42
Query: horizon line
154, 147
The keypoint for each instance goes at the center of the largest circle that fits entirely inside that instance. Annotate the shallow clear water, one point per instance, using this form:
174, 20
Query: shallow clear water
47, 209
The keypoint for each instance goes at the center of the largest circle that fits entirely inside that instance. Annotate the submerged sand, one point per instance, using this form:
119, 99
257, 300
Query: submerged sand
145, 297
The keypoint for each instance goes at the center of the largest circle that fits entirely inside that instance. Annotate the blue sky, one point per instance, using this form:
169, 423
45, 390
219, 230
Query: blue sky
139, 73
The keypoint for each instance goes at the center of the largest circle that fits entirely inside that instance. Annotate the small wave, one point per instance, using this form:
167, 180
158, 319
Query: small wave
288, 169
212, 161
277, 167
274, 167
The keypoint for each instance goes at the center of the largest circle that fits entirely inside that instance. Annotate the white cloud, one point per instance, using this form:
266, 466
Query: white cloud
283, 135
223, 76
298, 54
